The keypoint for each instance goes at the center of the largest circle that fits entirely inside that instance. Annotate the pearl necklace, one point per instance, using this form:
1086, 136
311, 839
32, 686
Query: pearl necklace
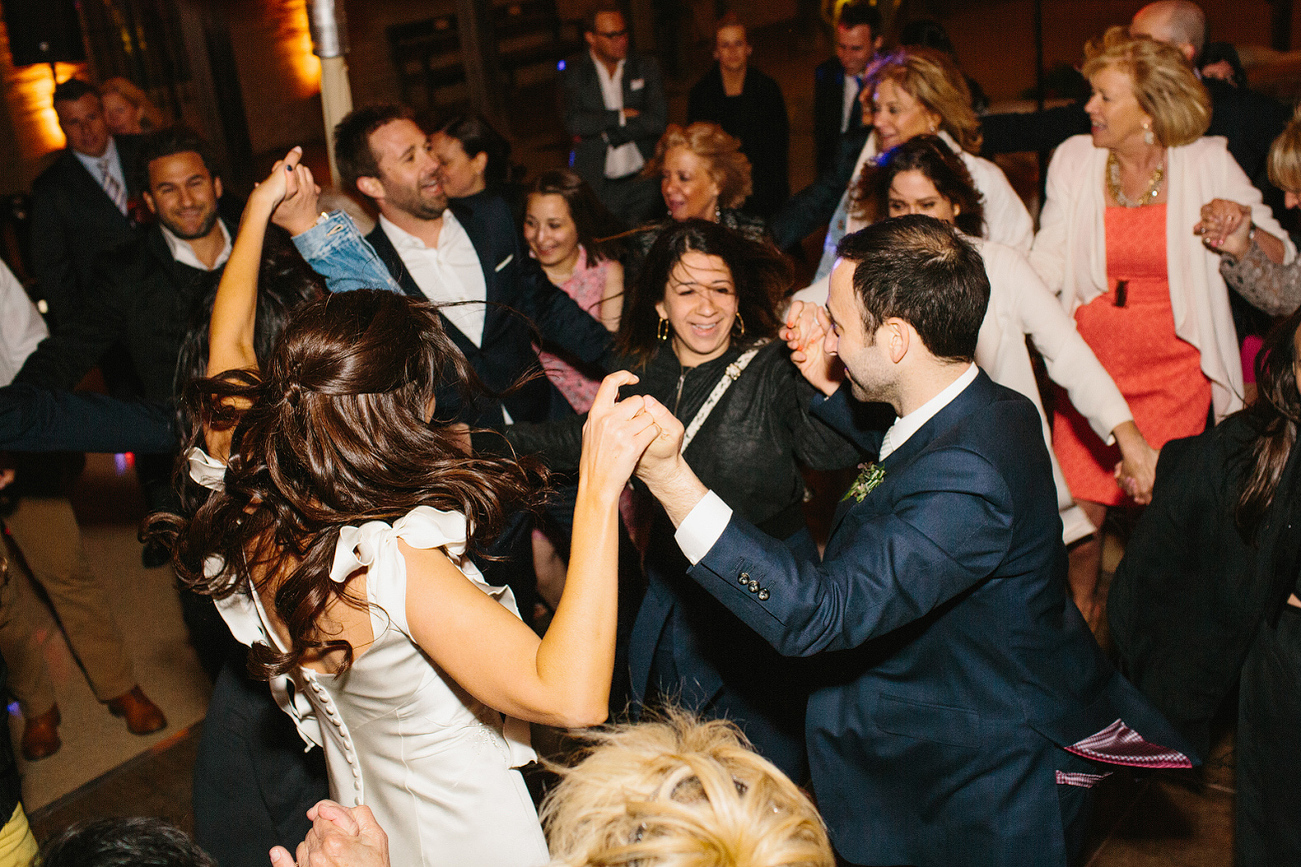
1113, 184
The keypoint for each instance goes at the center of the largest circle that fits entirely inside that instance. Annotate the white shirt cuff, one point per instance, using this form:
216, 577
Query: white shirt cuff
702, 527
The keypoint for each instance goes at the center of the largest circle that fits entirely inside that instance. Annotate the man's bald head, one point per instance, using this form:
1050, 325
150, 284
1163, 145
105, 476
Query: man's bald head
1180, 23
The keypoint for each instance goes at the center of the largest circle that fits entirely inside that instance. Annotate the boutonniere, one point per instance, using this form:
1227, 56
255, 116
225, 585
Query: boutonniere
869, 476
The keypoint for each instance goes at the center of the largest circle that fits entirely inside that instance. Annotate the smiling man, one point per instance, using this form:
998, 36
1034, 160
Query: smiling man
966, 709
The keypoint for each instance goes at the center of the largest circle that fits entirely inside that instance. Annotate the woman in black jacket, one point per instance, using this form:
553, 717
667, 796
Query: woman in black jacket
1209, 591
697, 329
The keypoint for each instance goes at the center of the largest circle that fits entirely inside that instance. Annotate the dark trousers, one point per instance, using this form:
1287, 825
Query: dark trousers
1269, 747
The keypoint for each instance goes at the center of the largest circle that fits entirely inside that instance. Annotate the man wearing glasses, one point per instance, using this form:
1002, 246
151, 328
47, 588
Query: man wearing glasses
615, 110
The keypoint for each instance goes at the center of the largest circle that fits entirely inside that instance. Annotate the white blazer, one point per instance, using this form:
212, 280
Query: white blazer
1070, 253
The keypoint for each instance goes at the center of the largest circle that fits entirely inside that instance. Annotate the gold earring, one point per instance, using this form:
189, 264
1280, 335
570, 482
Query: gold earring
740, 323
663, 330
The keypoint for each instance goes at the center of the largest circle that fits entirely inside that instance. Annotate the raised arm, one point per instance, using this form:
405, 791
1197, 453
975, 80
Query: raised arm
234, 311
562, 679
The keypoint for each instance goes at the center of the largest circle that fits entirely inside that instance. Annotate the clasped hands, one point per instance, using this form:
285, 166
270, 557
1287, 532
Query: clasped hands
807, 326
1225, 227
636, 434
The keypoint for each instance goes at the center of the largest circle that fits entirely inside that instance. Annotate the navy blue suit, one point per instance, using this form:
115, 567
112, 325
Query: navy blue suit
955, 666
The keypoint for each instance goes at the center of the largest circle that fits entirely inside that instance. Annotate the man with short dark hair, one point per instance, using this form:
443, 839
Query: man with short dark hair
81, 203
838, 80
964, 705
616, 111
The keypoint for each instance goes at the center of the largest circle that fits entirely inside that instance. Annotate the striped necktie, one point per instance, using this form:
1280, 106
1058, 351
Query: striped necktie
111, 186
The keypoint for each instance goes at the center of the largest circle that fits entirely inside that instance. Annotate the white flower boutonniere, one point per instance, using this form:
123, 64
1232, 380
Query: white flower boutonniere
870, 475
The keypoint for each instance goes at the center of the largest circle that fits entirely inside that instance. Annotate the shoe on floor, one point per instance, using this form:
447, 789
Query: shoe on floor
41, 735
143, 717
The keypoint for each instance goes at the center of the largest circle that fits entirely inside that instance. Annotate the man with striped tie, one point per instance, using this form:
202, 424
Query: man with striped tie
81, 203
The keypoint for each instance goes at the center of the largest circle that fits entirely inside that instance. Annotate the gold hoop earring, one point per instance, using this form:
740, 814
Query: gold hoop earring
663, 331
740, 323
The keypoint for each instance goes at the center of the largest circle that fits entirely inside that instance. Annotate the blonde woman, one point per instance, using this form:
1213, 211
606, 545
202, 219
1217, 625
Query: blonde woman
1116, 244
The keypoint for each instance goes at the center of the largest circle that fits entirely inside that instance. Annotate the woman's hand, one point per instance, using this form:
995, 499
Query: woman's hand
805, 333
1225, 227
1136, 472
298, 210
616, 434
340, 837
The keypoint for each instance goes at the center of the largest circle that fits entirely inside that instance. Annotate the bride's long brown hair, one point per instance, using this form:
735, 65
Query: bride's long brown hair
336, 435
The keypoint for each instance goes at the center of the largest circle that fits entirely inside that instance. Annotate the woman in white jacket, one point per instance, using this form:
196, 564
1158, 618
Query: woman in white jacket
1116, 244
920, 91
923, 176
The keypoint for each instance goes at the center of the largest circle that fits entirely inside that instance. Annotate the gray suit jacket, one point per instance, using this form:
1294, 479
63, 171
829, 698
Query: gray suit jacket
593, 126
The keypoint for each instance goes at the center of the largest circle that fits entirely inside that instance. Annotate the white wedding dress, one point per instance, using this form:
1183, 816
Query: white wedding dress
434, 764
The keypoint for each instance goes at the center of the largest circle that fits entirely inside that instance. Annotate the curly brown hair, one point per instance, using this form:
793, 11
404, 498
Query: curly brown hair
336, 435
929, 155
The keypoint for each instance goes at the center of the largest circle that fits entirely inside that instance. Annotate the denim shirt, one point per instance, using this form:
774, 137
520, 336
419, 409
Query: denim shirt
335, 249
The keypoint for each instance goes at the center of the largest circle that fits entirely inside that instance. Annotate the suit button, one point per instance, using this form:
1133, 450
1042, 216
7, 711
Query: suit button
743, 578
763, 595
754, 586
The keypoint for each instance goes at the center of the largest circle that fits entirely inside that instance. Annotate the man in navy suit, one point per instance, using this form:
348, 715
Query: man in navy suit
80, 204
962, 707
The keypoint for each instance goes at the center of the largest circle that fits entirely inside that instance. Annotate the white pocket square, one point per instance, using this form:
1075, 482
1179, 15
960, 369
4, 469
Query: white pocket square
637, 84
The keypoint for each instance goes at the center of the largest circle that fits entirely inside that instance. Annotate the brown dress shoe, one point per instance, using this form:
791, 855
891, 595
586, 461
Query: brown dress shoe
142, 716
41, 735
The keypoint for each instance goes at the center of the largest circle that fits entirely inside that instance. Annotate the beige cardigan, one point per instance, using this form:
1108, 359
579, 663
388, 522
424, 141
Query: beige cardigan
1069, 252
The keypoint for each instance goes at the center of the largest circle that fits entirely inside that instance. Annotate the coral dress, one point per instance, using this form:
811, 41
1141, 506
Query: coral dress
1131, 330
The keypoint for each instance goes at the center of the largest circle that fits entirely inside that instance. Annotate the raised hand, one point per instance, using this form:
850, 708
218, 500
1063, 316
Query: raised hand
298, 211
806, 333
272, 190
616, 434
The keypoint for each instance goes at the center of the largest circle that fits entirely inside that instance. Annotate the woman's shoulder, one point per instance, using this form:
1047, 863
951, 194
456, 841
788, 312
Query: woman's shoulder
754, 228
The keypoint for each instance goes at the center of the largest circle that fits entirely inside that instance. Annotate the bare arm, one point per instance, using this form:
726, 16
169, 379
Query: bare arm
564, 678
234, 311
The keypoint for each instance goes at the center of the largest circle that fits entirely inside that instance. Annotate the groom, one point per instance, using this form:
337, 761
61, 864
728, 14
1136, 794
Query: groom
963, 707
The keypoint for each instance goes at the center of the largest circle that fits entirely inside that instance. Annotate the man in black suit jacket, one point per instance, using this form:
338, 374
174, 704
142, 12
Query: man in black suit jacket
625, 136
858, 38
963, 707
467, 254
74, 219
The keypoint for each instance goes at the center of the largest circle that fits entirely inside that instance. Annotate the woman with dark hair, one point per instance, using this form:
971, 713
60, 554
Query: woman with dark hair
923, 176
337, 544
473, 156
1208, 593
697, 330
563, 224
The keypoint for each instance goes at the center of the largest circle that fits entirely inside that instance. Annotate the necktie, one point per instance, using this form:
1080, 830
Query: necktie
856, 109
111, 186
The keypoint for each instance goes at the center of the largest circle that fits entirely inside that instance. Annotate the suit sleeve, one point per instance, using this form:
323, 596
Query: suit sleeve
40, 420
654, 115
938, 539
557, 316
814, 205
56, 280
75, 346
583, 117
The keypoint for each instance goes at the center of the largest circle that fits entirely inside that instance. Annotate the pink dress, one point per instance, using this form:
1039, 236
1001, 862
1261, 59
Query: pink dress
586, 288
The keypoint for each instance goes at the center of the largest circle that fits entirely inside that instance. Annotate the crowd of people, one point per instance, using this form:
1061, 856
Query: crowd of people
541, 452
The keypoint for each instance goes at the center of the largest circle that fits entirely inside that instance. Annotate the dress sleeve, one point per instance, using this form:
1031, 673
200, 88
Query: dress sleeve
1274, 289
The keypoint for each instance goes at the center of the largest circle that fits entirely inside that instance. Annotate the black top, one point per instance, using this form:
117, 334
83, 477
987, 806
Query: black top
756, 116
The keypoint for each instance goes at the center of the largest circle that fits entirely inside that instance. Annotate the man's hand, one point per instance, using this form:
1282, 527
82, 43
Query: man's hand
340, 837
805, 333
615, 436
664, 471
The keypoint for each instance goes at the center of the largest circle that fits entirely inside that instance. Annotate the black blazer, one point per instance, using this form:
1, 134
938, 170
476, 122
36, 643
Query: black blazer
73, 223
142, 298
592, 126
828, 109
520, 298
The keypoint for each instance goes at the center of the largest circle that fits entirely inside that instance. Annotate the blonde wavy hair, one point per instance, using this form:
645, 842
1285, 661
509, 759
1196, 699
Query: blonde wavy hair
1163, 83
933, 79
151, 118
678, 792
729, 168
1285, 156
